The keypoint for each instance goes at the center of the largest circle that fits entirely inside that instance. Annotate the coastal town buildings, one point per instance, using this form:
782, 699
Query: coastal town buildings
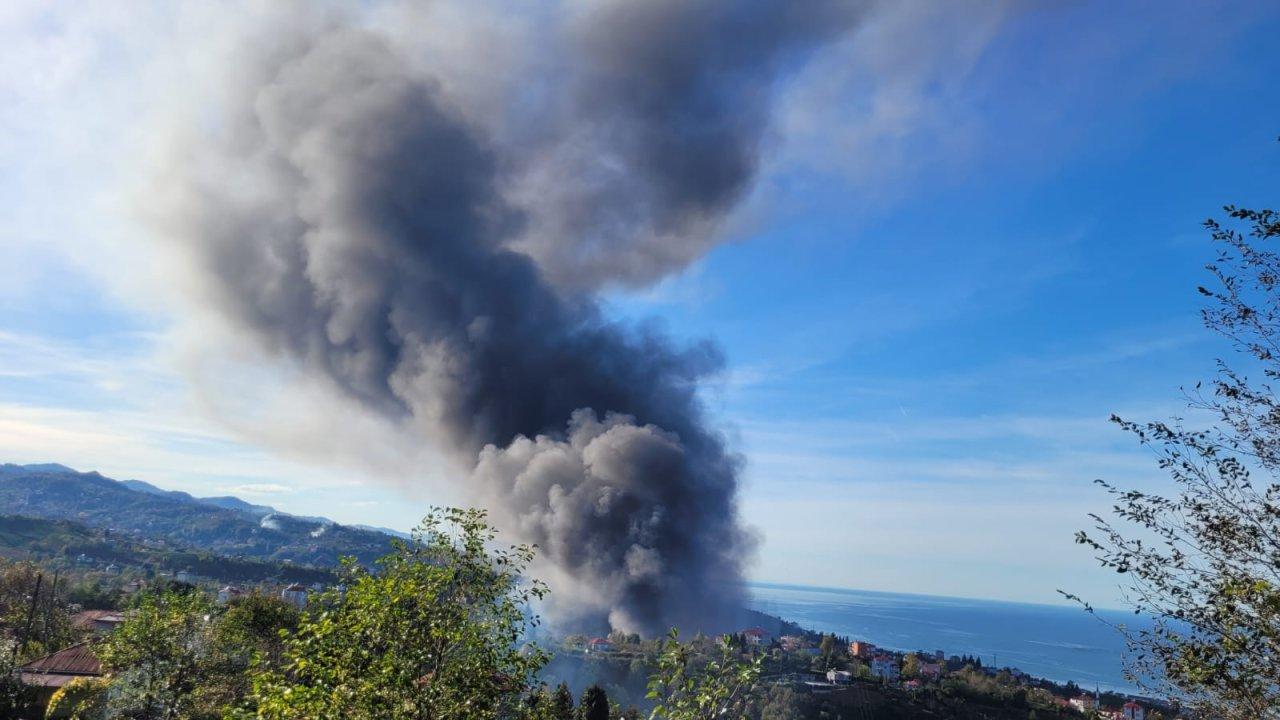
862, 649
792, 643
757, 636
1133, 711
885, 667
1084, 703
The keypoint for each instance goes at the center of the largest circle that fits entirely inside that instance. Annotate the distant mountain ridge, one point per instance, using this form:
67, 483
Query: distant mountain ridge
225, 525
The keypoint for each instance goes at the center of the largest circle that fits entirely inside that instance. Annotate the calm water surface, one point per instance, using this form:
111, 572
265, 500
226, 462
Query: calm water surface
1056, 642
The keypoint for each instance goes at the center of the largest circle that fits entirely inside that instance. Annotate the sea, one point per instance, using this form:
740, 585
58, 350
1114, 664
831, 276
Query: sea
1058, 642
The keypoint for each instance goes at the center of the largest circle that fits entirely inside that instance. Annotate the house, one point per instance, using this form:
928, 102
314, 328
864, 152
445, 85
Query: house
839, 677
99, 621
885, 667
1133, 711
939, 656
131, 587
931, 670
229, 593
599, 645
912, 685
45, 675
861, 649
792, 643
186, 576
756, 636
295, 595
113, 569
1084, 703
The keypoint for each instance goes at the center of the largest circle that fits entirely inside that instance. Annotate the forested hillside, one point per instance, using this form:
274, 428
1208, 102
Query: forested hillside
57, 493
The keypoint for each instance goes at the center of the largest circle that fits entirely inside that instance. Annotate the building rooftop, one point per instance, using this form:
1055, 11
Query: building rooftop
59, 668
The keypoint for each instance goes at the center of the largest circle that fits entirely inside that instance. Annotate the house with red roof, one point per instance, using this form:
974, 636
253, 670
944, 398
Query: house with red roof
600, 645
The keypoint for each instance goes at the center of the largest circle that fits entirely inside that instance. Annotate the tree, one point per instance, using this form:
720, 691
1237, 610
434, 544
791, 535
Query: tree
81, 699
155, 657
14, 702
827, 650
911, 666
719, 690
594, 704
1204, 562
781, 703
562, 703
44, 612
437, 630
244, 639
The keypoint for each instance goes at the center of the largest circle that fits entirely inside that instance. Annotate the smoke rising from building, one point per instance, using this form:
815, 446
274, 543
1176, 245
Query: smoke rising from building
351, 214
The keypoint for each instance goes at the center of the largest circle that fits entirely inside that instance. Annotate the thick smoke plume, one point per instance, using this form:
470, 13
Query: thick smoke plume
350, 213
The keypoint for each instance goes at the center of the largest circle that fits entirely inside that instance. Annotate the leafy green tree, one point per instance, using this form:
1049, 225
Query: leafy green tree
437, 630
827, 650
244, 639
81, 699
911, 666
780, 703
155, 657
721, 689
594, 704
50, 626
14, 702
562, 703
1205, 562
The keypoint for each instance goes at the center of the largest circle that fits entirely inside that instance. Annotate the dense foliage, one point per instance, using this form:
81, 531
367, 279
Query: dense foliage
437, 631
686, 686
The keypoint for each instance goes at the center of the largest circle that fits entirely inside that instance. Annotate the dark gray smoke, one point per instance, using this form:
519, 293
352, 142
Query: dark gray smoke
664, 114
349, 215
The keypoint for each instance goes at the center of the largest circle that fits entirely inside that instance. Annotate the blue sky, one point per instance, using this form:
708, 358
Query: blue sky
944, 283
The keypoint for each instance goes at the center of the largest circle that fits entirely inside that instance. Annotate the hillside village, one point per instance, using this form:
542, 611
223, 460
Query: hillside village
838, 672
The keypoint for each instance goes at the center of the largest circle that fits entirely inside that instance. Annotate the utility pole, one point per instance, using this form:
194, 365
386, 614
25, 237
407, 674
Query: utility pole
53, 601
31, 616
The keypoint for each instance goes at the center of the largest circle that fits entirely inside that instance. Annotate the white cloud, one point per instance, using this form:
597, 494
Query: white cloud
259, 489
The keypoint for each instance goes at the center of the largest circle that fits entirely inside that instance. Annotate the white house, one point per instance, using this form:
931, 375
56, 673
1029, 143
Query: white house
885, 667
757, 636
229, 593
1084, 703
295, 595
839, 677
1133, 711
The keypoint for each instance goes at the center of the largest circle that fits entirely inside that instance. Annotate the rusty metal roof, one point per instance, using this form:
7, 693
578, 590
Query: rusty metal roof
93, 618
75, 661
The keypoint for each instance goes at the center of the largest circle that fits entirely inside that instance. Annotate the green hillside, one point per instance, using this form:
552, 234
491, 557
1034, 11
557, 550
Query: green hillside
56, 493
73, 545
